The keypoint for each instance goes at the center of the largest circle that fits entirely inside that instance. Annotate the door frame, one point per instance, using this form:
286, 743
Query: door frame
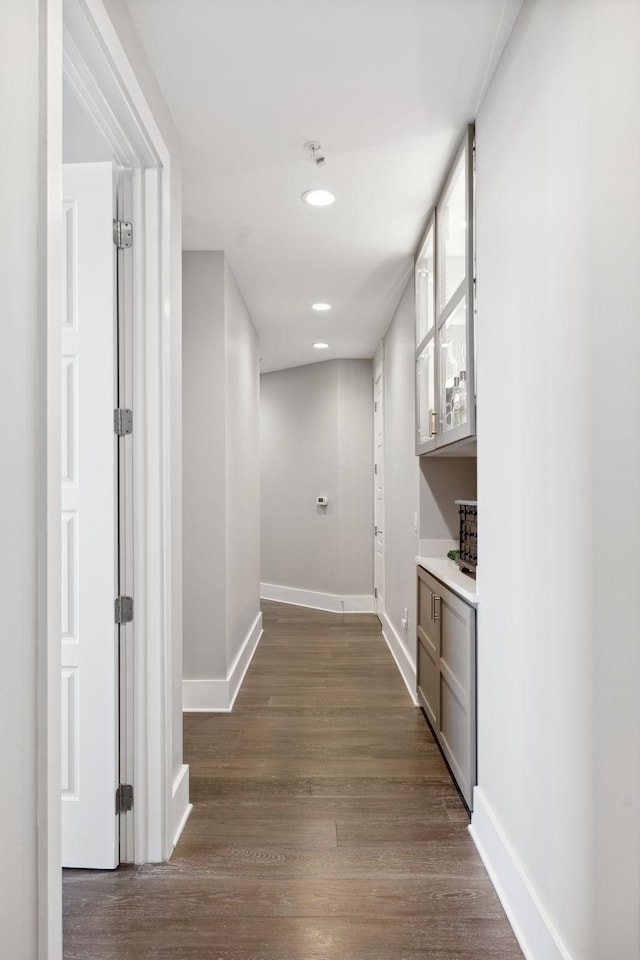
82, 39
95, 64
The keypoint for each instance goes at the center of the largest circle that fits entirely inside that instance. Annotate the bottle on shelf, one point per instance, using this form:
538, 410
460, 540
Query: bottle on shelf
463, 396
455, 403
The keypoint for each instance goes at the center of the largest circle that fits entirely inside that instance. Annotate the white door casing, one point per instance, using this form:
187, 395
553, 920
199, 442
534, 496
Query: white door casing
378, 460
89, 635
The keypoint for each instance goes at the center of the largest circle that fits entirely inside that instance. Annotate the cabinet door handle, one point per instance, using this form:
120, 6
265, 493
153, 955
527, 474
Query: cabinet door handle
436, 608
431, 598
434, 423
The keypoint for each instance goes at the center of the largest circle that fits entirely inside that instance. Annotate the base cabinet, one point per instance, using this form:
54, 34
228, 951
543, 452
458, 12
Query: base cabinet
447, 676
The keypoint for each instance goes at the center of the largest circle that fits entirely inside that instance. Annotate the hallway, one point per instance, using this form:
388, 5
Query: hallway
325, 825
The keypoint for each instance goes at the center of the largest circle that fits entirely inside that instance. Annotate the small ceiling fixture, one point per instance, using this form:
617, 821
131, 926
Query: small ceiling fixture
321, 307
319, 197
315, 149
321, 346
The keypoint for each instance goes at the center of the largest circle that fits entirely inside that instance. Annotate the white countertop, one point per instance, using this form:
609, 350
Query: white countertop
449, 572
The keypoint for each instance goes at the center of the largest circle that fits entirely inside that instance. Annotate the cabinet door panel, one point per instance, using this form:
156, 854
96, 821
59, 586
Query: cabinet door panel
454, 734
454, 648
428, 683
428, 651
457, 694
447, 676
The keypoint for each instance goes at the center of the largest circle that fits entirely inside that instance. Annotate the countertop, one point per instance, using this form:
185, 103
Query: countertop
452, 577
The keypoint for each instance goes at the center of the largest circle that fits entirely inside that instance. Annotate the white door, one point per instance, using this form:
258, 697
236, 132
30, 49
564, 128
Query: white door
378, 467
89, 637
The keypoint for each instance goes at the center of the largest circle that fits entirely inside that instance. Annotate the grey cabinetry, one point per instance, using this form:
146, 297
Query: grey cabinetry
447, 676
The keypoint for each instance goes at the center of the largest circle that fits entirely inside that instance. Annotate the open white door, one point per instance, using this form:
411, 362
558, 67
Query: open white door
378, 460
89, 634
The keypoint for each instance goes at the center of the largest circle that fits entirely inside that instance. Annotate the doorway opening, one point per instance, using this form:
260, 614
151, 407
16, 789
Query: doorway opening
108, 126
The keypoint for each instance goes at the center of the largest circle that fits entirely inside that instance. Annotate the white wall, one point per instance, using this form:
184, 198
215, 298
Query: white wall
242, 468
423, 489
222, 620
401, 485
23, 393
557, 811
317, 440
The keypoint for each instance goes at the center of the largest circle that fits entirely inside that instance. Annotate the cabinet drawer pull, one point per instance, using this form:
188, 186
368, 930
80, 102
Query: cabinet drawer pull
434, 422
436, 607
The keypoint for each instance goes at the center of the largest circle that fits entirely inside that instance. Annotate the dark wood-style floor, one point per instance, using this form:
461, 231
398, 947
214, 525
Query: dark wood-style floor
325, 825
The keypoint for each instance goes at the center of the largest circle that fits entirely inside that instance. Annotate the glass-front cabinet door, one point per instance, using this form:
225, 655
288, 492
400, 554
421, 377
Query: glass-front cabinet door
426, 396
453, 371
444, 284
426, 367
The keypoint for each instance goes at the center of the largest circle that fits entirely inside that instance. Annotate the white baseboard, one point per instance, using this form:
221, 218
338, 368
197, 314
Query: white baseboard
218, 696
205, 696
331, 602
399, 653
180, 806
534, 930
244, 658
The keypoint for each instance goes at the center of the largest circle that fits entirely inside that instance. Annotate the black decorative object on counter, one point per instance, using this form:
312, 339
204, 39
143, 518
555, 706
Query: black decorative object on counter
468, 512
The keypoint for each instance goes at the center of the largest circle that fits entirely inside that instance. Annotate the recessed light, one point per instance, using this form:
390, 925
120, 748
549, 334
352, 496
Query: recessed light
321, 307
319, 197
321, 346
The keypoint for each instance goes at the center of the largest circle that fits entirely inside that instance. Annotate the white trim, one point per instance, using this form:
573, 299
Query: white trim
49, 848
530, 921
331, 602
401, 656
205, 696
219, 696
97, 66
180, 806
244, 658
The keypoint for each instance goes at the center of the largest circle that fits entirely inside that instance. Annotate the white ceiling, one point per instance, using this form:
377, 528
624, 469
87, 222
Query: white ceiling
386, 86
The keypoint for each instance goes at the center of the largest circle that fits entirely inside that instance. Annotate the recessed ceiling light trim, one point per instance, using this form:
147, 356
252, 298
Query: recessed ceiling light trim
319, 197
321, 307
321, 346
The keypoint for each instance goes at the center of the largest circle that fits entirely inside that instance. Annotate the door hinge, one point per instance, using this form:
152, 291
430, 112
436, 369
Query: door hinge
375, 592
375, 468
124, 798
122, 422
124, 609
375, 407
122, 234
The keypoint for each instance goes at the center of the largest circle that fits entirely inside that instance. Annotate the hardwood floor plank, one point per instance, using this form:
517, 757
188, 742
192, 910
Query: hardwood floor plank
306, 938
325, 825
467, 899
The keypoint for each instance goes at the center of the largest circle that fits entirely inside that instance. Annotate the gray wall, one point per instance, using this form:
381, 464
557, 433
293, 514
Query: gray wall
204, 464
443, 480
317, 440
221, 467
242, 468
558, 247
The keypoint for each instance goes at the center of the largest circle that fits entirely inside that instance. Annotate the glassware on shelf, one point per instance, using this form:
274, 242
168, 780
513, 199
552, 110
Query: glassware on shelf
462, 406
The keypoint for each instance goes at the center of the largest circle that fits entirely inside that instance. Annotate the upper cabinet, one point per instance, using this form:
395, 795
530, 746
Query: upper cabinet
445, 316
